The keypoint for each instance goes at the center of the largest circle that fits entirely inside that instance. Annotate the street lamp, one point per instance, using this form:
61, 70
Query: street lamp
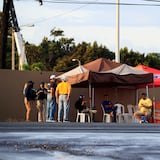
79, 62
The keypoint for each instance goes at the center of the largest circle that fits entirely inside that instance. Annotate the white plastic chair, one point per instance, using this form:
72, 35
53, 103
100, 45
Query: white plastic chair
131, 110
122, 117
106, 116
81, 117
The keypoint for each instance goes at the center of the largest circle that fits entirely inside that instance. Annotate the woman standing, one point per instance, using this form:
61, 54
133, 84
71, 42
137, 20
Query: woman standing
29, 97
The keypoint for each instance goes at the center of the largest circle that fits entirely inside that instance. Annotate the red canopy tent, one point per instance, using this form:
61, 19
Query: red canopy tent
156, 74
156, 83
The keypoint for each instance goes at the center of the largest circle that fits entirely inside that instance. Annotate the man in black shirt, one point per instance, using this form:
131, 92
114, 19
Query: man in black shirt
51, 100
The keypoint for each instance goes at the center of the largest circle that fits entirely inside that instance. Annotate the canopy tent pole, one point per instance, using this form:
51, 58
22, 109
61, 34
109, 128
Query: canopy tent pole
153, 103
147, 91
90, 95
137, 96
116, 92
93, 98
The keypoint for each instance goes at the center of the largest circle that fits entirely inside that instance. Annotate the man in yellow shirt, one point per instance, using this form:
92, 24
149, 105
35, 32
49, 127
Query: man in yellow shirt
63, 91
145, 108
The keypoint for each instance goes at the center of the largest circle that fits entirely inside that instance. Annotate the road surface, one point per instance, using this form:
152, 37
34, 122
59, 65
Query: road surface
79, 141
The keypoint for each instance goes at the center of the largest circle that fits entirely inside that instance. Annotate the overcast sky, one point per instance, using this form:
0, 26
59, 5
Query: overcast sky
139, 25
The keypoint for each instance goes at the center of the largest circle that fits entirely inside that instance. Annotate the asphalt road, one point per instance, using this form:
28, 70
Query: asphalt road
79, 141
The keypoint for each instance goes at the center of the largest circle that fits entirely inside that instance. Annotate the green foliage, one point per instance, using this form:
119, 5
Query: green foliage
39, 66
130, 57
26, 67
57, 54
153, 60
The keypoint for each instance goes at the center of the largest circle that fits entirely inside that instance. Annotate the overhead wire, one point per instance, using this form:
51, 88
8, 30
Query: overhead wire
99, 3
152, 0
92, 2
64, 13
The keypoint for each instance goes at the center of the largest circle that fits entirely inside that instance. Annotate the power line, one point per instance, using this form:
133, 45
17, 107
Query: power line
86, 3
100, 3
152, 0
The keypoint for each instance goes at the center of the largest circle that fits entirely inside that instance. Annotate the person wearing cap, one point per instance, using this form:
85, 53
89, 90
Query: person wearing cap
41, 102
51, 100
80, 104
108, 107
29, 97
145, 109
63, 92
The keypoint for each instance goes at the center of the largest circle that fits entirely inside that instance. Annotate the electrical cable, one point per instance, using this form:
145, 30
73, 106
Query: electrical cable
152, 0
99, 3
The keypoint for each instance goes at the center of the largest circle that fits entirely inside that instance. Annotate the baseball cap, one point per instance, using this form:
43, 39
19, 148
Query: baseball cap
64, 78
81, 96
52, 76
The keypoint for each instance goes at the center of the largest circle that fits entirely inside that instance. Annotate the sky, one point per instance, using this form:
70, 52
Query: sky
139, 24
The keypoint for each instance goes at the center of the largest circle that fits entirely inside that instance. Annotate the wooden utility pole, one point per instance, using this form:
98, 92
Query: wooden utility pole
3, 33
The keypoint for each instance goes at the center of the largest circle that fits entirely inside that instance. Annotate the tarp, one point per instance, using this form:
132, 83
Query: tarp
156, 74
105, 72
101, 64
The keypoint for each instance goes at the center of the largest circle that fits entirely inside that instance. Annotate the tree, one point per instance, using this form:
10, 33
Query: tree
57, 54
130, 57
32, 54
153, 60
39, 66
56, 33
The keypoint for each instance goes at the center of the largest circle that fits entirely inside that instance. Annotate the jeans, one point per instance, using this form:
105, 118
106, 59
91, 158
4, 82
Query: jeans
51, 107
67, 110
114, 110
63, 108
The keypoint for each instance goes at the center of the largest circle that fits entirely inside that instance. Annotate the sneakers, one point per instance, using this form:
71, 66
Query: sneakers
66, 121
143, 121
49, 120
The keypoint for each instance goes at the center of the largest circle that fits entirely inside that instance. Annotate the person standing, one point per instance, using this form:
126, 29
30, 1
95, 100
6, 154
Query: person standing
41, 102
51, 100
145, 109
63, 92
29, 97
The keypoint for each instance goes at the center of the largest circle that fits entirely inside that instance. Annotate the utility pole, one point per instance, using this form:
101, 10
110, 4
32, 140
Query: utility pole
8, 12
117, 54
3, 33
13, 51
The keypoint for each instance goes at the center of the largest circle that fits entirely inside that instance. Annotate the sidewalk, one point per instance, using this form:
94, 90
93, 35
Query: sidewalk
80, 127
